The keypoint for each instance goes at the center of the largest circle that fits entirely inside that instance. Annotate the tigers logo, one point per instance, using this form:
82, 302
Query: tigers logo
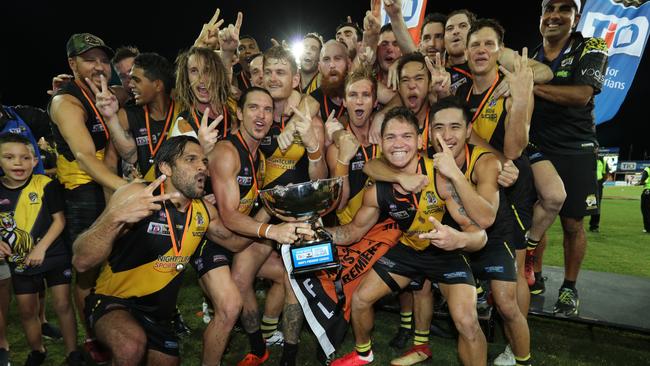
199, 219
33, 197
431, 199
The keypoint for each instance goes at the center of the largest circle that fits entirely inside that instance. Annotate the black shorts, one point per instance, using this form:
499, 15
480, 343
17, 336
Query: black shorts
496, 261
161, 336
209, 256
438, 266
521, 197
83, 205
578, 172
535, 155
35, 283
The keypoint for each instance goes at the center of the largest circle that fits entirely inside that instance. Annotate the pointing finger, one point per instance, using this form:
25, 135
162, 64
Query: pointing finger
442, 143
156, 183
92, 86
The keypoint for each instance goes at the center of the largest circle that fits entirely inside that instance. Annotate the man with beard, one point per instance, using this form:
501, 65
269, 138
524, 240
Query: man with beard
350, 34
427, 248
300, 162
237, 168
333, 65
133, 237
138, 131
309, 77
82, 141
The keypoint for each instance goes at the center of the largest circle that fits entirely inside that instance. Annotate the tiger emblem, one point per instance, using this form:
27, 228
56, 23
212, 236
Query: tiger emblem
20, 241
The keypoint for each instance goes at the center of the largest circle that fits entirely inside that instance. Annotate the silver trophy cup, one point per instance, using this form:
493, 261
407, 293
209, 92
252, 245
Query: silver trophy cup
307, 202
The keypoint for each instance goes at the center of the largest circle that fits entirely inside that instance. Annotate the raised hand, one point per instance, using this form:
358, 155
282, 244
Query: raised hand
208, 134
136, 207
348, 146
58, 82
366, 56
209, 36
521, 79
289, 232
304, 129
444, 161
440, 78
105, 101
332, 125
229, 36
393, 8
508, 174
443, 236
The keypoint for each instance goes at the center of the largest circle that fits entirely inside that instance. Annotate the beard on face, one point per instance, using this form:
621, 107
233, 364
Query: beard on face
188, 185
333, 88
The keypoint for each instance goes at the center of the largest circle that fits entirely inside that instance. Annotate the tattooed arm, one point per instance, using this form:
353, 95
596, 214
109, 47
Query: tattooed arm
365, 218
457, 211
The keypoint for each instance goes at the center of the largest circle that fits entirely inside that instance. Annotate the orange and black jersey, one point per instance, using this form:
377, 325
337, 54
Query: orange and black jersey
68, 171
143, 265
148, 134
411, 211
488, 113
358, 180
282, 168
460, 75
327, 105
313, 84
250, 175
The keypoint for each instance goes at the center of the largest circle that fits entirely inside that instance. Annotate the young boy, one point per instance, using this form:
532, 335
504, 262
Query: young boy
31, 222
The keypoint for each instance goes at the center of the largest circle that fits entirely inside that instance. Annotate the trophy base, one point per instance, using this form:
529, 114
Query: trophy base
313, 256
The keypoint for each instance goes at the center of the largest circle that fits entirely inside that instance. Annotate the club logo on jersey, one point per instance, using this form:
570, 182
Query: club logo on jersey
199, 219
592, 203
431, 199
33, 197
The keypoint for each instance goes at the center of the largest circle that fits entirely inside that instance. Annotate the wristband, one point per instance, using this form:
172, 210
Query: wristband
266, 232
341, 169
262, 229
314, 156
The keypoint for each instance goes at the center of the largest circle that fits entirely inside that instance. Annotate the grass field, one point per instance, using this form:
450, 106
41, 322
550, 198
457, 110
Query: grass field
620, 247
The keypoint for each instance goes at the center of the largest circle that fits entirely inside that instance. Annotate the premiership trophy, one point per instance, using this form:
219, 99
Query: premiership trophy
307, 202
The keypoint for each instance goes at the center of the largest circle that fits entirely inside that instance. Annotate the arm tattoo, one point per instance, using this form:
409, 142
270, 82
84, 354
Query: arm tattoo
461, 208
250, 320
292, 318
340, 234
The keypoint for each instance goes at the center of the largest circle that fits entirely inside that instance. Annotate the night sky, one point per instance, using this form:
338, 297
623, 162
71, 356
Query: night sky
34, 36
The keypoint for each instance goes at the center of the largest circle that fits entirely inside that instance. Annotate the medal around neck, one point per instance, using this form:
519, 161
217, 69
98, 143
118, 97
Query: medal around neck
307, 202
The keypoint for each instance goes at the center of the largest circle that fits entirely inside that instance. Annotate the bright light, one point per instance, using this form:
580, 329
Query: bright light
296, 50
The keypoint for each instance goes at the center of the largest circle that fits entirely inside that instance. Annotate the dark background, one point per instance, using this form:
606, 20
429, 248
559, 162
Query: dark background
34, 35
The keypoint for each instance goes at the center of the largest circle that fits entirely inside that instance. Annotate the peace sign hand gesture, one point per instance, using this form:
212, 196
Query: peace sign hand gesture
521, 79
105, 101
208, 134
137, 206
440, 78
209, 36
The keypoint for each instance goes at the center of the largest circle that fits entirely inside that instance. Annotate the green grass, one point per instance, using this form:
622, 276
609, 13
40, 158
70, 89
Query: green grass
620, 247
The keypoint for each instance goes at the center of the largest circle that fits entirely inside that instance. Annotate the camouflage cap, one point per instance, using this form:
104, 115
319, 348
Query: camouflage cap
82, 42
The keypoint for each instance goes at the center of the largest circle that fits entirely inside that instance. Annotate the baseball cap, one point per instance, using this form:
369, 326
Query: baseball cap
576, 3
82, 42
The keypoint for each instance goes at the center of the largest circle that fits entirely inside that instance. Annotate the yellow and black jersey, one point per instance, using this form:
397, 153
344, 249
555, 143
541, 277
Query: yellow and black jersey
26, 216
149, 134
358, 181
67, 169
283, 167
313, 84
411, 211
250, 175
489, 113
146, 267
501, 229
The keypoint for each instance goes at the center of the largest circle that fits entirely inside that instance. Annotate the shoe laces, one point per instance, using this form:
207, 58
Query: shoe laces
567, 296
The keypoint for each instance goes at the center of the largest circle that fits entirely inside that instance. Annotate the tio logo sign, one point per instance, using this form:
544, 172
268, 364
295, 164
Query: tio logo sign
411, 10
623, 35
